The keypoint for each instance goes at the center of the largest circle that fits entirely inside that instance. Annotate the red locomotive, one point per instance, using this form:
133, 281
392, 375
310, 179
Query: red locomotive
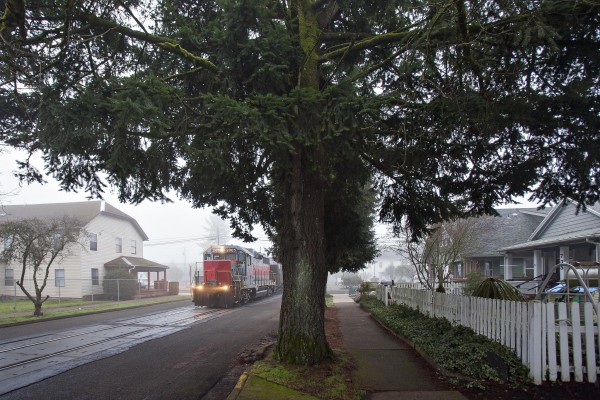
232, 275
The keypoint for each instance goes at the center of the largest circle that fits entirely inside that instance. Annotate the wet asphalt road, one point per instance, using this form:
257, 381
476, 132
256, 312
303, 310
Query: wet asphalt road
199, 361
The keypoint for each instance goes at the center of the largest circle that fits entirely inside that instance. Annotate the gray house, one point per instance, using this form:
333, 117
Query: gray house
564, 235
510, 227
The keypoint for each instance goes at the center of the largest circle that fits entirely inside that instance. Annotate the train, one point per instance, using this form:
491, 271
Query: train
233, 275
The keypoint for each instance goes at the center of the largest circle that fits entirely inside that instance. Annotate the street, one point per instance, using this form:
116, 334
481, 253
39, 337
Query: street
181, 353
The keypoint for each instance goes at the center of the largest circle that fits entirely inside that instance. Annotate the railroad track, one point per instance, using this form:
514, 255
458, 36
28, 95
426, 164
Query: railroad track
16, 354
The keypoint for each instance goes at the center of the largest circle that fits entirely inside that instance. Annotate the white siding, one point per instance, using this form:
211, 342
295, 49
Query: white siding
69, 262
78, 265
108, 229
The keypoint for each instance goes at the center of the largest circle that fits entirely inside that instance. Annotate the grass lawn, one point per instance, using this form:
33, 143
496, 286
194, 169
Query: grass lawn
21, 310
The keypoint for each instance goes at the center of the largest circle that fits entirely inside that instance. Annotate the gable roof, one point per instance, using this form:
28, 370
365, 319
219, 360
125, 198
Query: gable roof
137, 264
511, 226
564, 219
84, 211
562, 225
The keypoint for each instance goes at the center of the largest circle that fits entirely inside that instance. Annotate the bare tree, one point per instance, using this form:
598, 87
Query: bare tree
218, 231
36, 245
400, 272
433, 256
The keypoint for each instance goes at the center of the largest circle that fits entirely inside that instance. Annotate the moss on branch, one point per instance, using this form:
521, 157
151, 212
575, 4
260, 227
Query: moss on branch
167, 44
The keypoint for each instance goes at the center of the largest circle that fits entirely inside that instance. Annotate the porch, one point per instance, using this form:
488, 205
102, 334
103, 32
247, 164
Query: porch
151, 276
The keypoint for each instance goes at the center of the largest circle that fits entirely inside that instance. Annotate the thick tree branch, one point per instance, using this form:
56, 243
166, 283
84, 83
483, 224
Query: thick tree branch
167, 44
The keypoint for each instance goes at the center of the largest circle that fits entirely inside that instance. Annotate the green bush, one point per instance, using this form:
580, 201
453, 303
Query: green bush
474, 279
492, 288
365, 287
119, 284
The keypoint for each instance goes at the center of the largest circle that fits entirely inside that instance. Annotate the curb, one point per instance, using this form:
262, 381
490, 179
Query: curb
239, 387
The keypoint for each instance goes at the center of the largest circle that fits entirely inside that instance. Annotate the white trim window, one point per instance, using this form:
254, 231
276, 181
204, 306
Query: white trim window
118, 245
133, 247
9, 277
93, 242
95, 277
59, 277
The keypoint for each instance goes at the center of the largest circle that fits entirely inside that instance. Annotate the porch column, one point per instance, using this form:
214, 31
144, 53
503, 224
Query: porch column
537, 263
148, 280
597, 252
563, 257
508, 267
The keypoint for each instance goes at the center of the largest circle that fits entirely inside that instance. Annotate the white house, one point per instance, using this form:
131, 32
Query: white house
113, 240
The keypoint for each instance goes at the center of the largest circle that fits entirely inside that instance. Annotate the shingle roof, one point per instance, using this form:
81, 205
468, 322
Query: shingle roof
84, 211
140, 264
573, 227
512, 226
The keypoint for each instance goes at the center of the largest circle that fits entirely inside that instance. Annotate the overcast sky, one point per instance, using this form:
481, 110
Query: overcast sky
176, 223
174, 229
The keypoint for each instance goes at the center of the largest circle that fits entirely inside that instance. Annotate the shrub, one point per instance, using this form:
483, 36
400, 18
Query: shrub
365, 287
452, 347
492, 288
474, 279
118, 284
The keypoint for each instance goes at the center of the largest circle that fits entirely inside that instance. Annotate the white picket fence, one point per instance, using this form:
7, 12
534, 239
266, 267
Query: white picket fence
552, 341
450, 287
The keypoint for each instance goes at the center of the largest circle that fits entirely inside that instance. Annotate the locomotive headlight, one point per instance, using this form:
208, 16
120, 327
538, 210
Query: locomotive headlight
225, 287
200, 287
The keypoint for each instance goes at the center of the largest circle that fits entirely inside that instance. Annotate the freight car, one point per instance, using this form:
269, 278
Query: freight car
233, 275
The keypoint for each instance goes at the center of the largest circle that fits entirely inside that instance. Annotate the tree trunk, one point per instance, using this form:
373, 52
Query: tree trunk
302, 337
37, 312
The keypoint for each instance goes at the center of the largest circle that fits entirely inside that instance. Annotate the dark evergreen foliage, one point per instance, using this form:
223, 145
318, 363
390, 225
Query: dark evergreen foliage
280, 112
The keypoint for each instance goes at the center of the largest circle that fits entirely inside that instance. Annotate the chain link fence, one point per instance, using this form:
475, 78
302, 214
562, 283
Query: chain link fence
94, 289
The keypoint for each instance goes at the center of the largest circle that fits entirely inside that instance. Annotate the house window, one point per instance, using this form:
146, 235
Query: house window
93, 242
95, 277
57, 241
487, 268
118, 245
59, 278
8, 242
529, 270
9, 277
133, 247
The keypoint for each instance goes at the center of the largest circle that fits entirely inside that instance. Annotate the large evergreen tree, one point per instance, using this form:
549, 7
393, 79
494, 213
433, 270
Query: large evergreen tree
272, 111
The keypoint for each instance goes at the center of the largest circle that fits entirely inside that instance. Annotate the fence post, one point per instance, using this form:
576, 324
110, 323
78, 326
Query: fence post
385, 295
551, 329
576, 326
118, 290
590, 353
535, 342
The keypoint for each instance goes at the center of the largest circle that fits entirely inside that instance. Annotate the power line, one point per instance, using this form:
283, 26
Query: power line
169, 241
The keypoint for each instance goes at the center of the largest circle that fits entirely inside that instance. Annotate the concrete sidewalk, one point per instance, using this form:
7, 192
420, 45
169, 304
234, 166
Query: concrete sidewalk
387, 368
